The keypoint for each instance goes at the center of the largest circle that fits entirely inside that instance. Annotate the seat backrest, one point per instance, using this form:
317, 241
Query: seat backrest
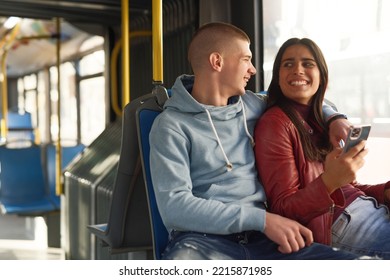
19, 121
22, 185
128, 223
146, 114
21, 174
20, 126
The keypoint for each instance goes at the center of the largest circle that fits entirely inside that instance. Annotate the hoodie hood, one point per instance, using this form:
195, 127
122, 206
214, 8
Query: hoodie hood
182, 101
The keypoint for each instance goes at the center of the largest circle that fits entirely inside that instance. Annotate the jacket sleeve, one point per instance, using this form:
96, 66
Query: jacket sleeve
375, 191
277, 152
180, 209
330, 112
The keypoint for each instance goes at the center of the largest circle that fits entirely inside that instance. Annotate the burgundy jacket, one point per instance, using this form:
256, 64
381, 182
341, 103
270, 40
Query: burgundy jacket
293, 185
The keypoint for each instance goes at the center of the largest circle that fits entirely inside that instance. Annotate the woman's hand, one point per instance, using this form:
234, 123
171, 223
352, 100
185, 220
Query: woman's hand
340, 168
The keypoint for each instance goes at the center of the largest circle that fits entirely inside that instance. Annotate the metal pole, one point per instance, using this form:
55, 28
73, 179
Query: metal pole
5, 43
59, 186
4, 92
157, 37
125, 54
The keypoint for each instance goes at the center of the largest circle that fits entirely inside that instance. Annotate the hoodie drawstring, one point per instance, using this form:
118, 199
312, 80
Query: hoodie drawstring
245, 125
229, 165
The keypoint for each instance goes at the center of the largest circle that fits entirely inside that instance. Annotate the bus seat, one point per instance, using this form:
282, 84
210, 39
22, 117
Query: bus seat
22, 185
128, 226
20, 126
146, 114
68, 153
19, 120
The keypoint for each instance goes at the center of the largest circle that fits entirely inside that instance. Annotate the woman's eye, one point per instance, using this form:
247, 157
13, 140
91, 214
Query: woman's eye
309, 64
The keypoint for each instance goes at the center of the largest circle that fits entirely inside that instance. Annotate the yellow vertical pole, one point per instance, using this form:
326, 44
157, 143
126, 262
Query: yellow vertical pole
125, 54
4, 92
59, 186
5, 43
157, 38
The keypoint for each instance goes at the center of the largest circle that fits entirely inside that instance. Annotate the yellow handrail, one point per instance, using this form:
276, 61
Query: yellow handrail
4, 92
59, 185
113, 67
157, 28
5, 43
125, 54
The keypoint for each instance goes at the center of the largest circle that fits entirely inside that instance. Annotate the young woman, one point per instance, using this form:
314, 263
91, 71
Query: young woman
304, 177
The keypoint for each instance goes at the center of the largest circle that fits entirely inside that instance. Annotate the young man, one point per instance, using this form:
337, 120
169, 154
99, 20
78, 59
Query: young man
203, 165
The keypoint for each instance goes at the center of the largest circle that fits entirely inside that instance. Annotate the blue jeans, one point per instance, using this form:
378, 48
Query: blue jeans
363, 228
245, 246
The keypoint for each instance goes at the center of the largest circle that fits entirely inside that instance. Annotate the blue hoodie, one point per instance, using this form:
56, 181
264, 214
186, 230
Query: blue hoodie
203, 165
192, 149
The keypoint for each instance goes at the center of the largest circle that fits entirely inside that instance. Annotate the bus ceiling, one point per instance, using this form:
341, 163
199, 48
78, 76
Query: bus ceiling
75, 11
80, 20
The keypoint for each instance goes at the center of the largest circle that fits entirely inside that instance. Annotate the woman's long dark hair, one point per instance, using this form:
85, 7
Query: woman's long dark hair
276, 97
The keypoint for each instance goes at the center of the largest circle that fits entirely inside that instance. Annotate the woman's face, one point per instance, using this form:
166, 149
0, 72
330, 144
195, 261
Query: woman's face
299, 76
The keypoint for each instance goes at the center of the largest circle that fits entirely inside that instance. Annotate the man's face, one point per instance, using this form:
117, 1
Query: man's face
237, 68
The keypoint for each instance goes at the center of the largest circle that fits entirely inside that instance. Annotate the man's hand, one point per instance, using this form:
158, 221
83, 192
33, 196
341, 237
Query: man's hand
288, 234
387, 196
338, 130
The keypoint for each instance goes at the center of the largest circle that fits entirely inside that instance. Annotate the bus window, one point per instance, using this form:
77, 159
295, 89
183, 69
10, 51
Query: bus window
92, 64
27, 93
92, 96
354, 40
68, 103
43, 120
85, 78
92, 108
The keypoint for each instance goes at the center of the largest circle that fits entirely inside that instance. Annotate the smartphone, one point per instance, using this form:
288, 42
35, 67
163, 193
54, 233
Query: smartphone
355, 135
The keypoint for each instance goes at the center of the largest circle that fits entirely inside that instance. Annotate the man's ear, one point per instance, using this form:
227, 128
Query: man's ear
215, 60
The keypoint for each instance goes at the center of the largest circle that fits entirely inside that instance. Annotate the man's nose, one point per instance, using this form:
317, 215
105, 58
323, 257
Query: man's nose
252, 70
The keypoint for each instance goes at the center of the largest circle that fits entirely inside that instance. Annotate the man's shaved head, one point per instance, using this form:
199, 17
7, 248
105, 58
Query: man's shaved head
212, 37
